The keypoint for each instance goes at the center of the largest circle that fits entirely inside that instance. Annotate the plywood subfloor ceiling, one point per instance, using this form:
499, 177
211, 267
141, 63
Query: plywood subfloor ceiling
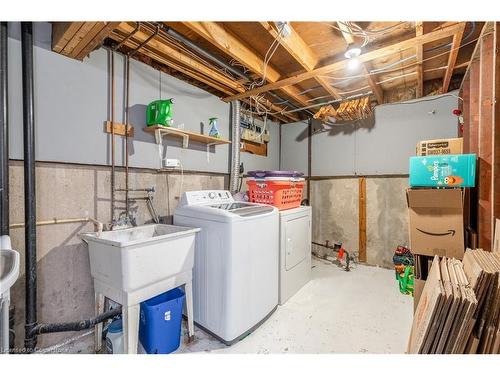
287, 70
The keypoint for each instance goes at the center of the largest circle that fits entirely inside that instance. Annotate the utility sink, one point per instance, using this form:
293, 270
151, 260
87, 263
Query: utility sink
133, 258
9, 269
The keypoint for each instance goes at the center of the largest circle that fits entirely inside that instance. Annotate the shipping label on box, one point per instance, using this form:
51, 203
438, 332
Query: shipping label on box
443, 171
449, 146
436, 224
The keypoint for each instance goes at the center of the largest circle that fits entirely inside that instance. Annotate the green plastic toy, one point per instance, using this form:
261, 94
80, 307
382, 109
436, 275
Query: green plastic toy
406, 281
160, 112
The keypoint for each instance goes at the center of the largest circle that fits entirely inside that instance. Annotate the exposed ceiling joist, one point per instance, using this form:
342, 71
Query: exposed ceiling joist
301, 52
218, 36
452, 59
185, 64
377, 91
368, 56
371, 78
96, 38
62, 32
345, 32
419, 31
160, 47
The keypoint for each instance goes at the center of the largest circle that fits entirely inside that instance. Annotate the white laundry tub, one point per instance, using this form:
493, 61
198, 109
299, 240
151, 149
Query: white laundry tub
130, 259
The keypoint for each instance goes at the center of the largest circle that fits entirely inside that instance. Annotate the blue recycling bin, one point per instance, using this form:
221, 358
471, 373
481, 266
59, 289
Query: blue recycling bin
160, 322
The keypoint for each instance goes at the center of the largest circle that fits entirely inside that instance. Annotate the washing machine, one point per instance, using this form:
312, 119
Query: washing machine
295, 251
235, 275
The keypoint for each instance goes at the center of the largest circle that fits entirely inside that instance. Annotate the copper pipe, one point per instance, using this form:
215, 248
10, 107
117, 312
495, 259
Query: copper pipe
157, 31
112, 136
127, 38
53, 221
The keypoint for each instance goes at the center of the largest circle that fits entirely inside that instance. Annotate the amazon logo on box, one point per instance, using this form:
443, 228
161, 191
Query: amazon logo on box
436, 225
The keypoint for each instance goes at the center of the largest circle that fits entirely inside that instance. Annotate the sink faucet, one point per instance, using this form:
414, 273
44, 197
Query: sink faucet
98, 224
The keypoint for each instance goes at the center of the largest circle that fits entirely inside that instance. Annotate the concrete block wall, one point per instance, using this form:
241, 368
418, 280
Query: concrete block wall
335, 204
65, 290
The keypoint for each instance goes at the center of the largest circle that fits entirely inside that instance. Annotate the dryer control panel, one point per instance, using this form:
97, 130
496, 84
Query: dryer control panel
203, 197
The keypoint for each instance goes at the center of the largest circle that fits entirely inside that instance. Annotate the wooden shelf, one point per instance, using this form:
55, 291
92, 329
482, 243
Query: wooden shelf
159, 131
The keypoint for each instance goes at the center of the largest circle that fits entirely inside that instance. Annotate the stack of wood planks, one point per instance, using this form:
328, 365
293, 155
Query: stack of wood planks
483, 272
459, 309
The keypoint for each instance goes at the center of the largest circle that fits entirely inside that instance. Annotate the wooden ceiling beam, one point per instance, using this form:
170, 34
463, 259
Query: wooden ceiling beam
371, 78
376, 89
94, 39
167, 55
301, 52
219, 37
77, 38
62, 32
341, 64
452, 59
345, 33
162, 48
419, 31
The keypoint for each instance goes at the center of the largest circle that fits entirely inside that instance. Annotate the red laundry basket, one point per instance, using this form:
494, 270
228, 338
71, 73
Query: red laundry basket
281, 193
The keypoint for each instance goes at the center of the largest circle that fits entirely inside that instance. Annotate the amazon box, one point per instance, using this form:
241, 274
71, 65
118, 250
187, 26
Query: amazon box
448, 146
436, 223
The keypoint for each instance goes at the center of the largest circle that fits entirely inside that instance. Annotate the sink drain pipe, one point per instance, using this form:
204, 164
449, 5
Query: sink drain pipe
4, 133
29, 182
32, 327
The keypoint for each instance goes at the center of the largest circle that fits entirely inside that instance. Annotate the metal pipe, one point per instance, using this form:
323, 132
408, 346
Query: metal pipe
74, 326
112, 70
127, 38
4, 131
29, 182
347, 255
234, 168
145, 42
127, 87
181, 38
168, 30
54, 221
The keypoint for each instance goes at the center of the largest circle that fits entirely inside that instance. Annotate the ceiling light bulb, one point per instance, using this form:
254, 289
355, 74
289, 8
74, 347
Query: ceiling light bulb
352, 52
353, 63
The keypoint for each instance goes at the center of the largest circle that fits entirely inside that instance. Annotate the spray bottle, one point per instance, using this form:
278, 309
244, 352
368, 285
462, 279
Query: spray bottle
214, 131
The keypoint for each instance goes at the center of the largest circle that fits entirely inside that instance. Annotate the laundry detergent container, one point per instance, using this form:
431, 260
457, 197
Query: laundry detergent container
160, 322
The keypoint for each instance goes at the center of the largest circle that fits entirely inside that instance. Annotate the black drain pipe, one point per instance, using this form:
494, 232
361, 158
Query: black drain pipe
29, 182
75, 326
32, 327
4, 132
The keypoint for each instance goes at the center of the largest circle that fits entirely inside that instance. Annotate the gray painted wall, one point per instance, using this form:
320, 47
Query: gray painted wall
72, 103
294, 147
378, 146
272, 160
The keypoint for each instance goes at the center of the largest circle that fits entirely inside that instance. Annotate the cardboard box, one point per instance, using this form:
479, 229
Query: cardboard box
418, 286
443, 171
448, 146
496, 239
436, 222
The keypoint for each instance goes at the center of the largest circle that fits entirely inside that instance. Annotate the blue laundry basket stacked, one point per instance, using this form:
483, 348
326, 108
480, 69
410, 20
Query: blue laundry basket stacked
160, 322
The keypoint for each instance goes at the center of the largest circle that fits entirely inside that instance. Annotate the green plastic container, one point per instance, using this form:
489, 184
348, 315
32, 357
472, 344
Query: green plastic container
443, 171
160, 112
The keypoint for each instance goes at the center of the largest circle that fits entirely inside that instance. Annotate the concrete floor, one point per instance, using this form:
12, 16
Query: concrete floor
360, 311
